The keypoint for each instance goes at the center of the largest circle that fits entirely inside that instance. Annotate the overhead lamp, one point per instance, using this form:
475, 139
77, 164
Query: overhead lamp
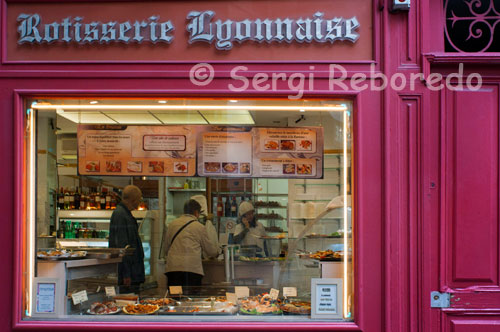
338, 108
93, 102
162, 101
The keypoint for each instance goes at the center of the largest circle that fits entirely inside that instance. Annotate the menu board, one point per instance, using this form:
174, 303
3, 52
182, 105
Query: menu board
225, 153
212, 151
136, 150
261, 152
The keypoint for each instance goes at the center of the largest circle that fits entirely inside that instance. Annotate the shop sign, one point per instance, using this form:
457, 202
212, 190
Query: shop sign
214, 151
189, 31
201, 27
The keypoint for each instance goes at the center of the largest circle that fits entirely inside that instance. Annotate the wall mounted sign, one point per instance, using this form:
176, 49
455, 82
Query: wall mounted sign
214, 151
201, 28
136, 150
261, 152
189, 31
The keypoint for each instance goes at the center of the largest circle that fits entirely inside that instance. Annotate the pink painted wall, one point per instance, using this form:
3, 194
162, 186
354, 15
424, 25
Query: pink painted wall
410, 145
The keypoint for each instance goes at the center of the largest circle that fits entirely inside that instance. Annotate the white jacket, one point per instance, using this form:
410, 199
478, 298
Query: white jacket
184, 255
253, 235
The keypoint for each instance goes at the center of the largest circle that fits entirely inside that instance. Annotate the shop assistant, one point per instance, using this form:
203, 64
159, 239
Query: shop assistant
248, 231
123, 232
186, 240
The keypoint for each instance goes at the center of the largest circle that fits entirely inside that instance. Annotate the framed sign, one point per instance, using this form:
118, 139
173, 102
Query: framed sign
326, 298
48, 298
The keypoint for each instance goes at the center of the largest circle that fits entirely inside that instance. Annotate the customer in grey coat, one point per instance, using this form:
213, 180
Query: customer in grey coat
123, 231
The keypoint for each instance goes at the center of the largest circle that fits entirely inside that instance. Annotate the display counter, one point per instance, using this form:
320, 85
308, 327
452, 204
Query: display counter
66, 270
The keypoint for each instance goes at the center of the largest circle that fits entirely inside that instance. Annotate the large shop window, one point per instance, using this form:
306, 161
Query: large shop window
188, 209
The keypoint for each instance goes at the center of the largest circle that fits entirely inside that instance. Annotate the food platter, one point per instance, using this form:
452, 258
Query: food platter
105, 308
259, 305
159, 301
297, 308
141, 309
56, 255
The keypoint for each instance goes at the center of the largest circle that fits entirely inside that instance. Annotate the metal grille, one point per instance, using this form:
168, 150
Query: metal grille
472, 26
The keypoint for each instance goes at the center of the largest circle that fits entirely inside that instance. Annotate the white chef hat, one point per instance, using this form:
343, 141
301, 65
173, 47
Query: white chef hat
244, 208
202, 200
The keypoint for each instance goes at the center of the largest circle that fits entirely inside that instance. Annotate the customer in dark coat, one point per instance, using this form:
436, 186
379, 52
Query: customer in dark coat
123, 231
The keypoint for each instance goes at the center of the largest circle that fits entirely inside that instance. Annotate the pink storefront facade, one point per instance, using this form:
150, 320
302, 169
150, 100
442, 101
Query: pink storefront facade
425, 162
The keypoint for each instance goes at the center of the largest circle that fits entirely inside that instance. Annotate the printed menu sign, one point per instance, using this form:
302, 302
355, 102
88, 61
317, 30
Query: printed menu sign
136, 150
226, 153
212, 151
288, 152
46, 298
326, 299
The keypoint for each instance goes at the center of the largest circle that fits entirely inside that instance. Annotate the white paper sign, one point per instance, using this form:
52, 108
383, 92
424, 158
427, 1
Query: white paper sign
232, 298
79, 297
326, 299
289, 291
274, 293
175, 290
46, 298
110, 291
242, 291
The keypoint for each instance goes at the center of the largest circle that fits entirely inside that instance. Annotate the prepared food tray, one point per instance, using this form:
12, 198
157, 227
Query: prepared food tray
219, 308
260, 259
327, 255
260, 305
56, 254
159, 301
141, 309
103, 308
297, 308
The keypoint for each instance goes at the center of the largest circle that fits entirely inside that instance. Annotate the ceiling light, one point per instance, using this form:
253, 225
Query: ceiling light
162, 101
85, 117
302, 110
93, 102
233, 101
340, 108
180, 117
133, 118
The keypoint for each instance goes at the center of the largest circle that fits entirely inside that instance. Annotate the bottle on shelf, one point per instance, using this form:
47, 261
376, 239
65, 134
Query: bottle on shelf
103, 201
97, 201
113, 203
220, 207
227, 207
234, 208
60, 199
60, 231
108, 200
78, 197
66, 200
83, 202
72, 199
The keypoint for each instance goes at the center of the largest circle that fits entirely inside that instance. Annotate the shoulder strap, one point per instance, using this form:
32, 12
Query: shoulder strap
180, 230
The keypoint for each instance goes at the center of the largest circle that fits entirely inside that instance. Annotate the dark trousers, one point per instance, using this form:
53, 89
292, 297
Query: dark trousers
135, 288
190, 282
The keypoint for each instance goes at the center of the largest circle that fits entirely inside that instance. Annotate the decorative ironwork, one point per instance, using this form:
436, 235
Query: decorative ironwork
472, 26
